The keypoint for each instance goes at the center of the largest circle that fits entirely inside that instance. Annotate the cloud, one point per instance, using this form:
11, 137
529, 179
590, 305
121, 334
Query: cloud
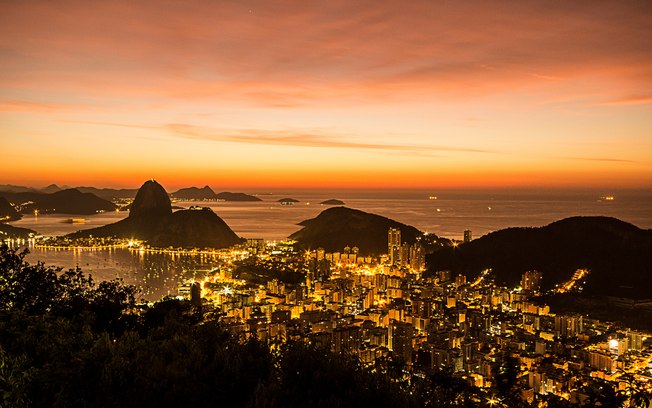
287, 54
629, 100
602, 159
292, 137
28, 106
317, 139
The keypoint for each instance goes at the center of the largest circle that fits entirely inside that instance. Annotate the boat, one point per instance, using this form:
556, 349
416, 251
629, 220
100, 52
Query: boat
76, 221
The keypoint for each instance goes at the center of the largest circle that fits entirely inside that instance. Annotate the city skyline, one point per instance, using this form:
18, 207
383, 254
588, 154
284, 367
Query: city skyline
337, 95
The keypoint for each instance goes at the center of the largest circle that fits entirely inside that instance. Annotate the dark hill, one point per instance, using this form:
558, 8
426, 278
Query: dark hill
151, 201
332, 202
618, 254
228, 196
7, 211
10, 188
69, 201
151, 219
110, 193
194, 193
52, 188
338, 227
9, 231
195, 228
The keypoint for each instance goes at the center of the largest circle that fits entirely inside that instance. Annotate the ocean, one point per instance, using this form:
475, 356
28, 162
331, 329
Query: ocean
445, 213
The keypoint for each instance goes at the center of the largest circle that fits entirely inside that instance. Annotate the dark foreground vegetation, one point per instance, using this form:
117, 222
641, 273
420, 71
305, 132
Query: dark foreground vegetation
66, 341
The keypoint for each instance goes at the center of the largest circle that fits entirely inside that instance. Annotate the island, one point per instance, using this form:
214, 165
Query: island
332, 201
151, 219
287, 201
194, 193
69, 201
339, 227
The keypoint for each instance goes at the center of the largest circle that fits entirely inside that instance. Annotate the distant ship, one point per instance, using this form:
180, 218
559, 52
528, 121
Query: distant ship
76, 221
607, 198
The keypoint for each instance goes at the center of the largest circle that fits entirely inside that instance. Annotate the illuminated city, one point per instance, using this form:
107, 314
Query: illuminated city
266, 204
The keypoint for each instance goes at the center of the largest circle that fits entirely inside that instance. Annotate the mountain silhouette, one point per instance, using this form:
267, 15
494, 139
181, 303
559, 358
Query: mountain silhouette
194, 193
151, 219
618, 254
9, 231
332, 201
338, 227
52, 188
151, 201
7, 211
110, 193
69, 201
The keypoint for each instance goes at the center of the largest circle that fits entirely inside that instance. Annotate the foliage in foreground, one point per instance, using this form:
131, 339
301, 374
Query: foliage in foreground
67, 342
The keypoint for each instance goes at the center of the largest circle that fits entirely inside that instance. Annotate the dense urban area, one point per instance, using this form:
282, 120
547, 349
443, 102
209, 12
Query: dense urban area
390, 315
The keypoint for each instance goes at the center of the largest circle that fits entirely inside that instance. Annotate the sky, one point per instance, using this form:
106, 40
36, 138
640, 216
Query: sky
356, 94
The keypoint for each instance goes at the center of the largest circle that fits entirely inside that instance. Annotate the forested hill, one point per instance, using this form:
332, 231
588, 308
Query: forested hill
338, 227
618, 254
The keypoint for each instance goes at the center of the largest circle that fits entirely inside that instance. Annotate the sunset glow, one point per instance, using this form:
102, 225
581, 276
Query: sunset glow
326, 94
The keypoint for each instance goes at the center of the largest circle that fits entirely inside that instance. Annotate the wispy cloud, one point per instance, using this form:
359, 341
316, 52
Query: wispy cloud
602, 159
282, 54
301, 138
316, 138
629, 100
28, 106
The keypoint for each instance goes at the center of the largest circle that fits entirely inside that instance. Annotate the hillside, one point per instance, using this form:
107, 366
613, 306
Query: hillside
332, 201
195, 228
9, 231
151, 219
110, 193
7, 211
195, 193
338, 227
69, 201
618, 254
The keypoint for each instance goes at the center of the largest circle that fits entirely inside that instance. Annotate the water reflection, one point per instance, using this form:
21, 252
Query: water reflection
156, 274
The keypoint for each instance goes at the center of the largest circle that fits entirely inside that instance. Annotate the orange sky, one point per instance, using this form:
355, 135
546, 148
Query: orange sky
334, 93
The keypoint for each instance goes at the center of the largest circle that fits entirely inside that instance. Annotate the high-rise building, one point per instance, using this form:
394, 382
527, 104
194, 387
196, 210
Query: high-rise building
531, 281
346, 339
394, 246
417, 257
569, 325
400, 340
635, 341
404, 255
468, 235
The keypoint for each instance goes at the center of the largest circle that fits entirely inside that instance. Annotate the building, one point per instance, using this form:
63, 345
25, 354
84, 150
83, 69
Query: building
602, 361
531, 281
394, 246
568, 325
400, 341
635, 341
468, 235
404, 257
346, 339
417, 257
